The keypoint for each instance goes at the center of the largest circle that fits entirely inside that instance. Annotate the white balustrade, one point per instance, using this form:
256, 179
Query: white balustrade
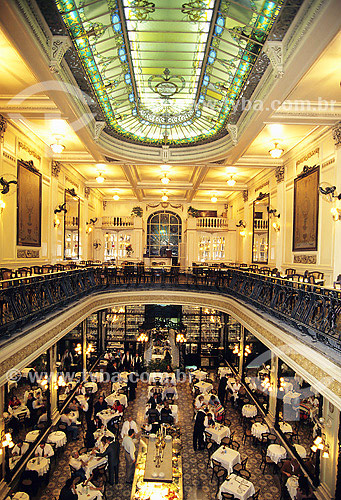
212, 222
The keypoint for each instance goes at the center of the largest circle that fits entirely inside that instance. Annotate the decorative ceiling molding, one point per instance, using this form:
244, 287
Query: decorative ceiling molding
233, 131
279, 174
274, 51
59, 44
337, 134
3, 126
99, 126
25, 147
87, 191
306, 157
55, 168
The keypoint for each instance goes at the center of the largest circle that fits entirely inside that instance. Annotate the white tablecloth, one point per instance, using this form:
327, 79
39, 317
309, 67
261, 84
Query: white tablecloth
238, 487
73, 416
204, 386
155, 375
173, 408
81, 399
224, 370
198, 374
227, 457
107, 415
93, 386
166, 376
58, 438
88, 493
285, 427
122, 398
301, 450
32, 436
92, 462
19, 410
218, 432
117, 386
258, 429
292, 485
276, 452
287, 386
102, 432
21, 495
249, 411
39, 464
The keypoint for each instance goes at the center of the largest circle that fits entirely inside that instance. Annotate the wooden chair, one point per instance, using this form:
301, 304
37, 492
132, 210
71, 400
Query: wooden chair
215, 467
221, 476
227, 496
242, 466
266, 461
245, 474
255, 496
247, 435
235, 445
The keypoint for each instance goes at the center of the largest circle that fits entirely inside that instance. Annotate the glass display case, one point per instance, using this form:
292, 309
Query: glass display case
115, 244
211, 248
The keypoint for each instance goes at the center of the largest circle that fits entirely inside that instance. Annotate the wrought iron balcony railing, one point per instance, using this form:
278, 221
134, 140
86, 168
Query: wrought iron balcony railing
313, 310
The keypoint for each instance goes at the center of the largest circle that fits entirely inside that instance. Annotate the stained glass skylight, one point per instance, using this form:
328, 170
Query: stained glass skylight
168, 71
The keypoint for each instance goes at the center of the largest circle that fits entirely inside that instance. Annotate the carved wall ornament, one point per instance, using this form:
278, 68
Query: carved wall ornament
245, 195
328, 162
55, 168
307, 156
30, 151
27, 254
9, 157
233, 131
3, 126
279, 174
165, 205
58, 44
68, 180
305, 259
274, 51
99, 126
104, 205
165, 153
337, 134
87, 192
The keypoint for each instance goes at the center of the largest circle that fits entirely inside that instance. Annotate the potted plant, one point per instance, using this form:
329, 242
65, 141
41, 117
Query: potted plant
137, 211
193, 212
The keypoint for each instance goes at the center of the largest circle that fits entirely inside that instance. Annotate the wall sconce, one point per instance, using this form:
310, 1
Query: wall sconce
180, 338
142, 337
336, 213
56, 222
320, 444
2, 206
273, 212
5, 185
241, 223
276, 226
6, 440
60, 208
90, 225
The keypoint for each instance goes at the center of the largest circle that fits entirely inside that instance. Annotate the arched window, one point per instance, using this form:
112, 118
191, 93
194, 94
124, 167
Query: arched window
163, 233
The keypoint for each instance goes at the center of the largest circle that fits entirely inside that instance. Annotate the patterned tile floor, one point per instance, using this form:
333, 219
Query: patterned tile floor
196, 476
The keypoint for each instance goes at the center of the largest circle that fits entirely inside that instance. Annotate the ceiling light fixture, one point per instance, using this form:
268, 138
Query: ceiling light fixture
214, 199
116, 197
231, 182
165, 196
100, 179
165, 179
57, 147
276, 152
166, 168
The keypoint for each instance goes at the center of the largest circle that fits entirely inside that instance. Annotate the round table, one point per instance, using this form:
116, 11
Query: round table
58, 438
91, 385
276, 452
258, 429
301, 450
39, 464
32, 436
285, 427
88, 493
107, 415
21, 495
249, 411
292, 485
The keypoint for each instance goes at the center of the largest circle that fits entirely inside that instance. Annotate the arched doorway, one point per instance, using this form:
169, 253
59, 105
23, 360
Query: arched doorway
164, 229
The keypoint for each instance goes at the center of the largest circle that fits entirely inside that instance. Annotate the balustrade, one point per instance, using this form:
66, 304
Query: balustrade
212, 223
117, 222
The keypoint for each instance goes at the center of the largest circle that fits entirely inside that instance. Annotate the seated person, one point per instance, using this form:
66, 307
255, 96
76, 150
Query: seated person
213, 400
169, 391
118, 407
218, 411
304, 490
68, 492
153, 414
78, 465
209, 420
100, 405
72, 428
290, 467
73, 405
20, 448
101, 444
68, 389
81, 390
199, 402
155, 398
14, 402
44, 450
166, 414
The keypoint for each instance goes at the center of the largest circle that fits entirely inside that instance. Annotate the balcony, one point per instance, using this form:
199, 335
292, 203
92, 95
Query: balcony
217, 223
117, 222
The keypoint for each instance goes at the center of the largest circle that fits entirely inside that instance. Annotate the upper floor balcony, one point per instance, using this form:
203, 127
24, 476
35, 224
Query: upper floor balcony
117, 222
215, 223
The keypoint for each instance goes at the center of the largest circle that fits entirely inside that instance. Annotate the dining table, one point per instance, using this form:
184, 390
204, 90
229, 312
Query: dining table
258, 429
168, 378
204, 386
107, 415
88, 492
285, 427
58, 438
224, 370
227, 457
238, 487
103, 432
91, 385
218, 432
38, 464
155, 377
276, 452
122, 398
198, 374
301, 451
249, 411
92, 462
32, 436
290, 396
19, 410
20, 495
292, 486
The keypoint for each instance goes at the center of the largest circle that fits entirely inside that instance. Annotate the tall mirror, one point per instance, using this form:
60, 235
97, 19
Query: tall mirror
71, 225
260, 234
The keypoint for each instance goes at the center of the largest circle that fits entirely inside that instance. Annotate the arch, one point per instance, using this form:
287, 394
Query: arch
164, 233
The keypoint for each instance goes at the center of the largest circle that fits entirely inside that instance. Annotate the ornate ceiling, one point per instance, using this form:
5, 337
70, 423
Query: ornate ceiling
168, 72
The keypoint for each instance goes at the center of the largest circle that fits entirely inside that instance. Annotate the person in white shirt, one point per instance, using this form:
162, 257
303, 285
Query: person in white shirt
68, 389
101, 444
128, 424
43, 418
129, 451
199, 402
78, 465
20, 448
44, 450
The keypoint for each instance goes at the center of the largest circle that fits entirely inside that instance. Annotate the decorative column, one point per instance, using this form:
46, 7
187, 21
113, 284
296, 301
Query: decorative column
279, 236
328, 466
53, 385
274, 388
337, 183
241, 350
84, 331
101, 331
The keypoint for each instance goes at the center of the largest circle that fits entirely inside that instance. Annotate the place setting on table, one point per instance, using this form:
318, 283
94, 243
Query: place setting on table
92, 462
218, 432
112, 398
91, 385
58, 438
20, 495
39, 464
249, 411
227, 457
285, 427
198, 374
276, 452
103, 432
258, 429
107, 415
238, 487
88, 492
32, 436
